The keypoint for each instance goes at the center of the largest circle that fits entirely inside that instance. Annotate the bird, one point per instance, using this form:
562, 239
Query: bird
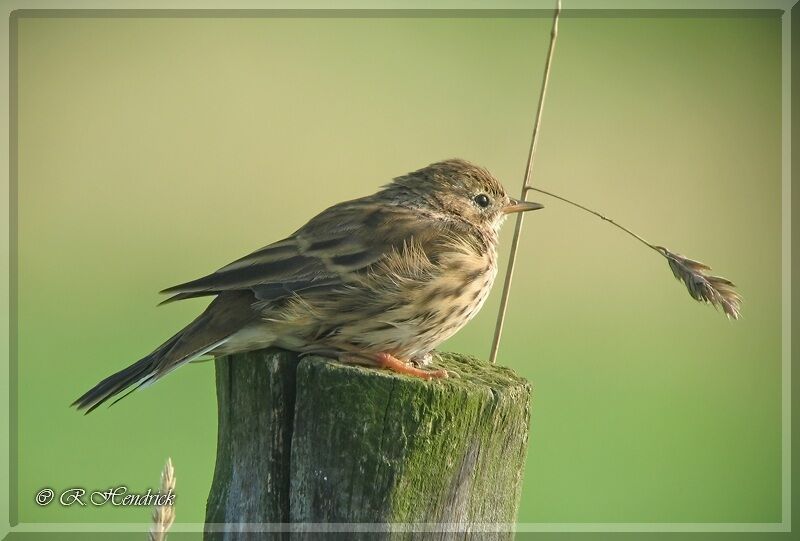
377, 281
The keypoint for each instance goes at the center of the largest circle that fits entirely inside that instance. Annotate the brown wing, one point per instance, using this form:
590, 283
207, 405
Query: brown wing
344, 239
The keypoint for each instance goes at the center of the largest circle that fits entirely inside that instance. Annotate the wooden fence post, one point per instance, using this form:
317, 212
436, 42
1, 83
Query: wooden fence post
314, 441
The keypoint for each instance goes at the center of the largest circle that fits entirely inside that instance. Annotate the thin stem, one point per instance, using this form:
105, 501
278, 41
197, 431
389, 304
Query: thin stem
609, 220
703, 287
501, 315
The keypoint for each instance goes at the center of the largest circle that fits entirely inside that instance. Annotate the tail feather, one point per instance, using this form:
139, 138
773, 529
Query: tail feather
224, 316
140, 371
114, 384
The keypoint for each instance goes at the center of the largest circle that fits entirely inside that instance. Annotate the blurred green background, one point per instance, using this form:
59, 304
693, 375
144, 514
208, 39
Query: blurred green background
155, 150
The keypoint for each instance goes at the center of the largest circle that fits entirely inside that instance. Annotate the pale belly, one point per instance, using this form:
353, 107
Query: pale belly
434, 314
406, 322
423, 315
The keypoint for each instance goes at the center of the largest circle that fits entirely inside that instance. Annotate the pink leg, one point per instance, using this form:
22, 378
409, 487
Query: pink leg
385, 360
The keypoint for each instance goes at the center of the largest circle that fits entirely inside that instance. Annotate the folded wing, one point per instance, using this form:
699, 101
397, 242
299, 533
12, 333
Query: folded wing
342, 241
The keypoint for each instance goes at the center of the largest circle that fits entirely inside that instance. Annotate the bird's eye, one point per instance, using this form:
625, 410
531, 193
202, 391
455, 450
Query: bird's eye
482, 200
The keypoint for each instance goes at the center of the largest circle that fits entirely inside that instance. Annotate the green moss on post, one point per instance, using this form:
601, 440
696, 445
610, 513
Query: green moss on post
369, 445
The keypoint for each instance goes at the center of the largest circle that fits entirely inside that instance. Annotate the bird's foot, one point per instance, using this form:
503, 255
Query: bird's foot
391, 362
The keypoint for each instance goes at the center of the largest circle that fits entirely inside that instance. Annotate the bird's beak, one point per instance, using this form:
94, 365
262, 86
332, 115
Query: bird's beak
517, 205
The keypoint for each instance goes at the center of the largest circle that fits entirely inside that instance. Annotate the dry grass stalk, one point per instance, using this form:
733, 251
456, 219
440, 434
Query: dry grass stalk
512, 258
164, 515
703, 287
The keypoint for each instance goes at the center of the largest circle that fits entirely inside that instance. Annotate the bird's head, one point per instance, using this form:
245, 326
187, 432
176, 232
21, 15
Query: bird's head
458, 189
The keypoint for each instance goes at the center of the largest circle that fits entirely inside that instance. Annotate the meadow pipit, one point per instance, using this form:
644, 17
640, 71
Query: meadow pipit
379, 281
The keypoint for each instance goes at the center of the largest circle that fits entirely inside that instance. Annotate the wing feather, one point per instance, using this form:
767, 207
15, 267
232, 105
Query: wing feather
345, 239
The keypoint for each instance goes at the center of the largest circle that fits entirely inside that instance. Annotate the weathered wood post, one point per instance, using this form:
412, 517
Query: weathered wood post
316, 441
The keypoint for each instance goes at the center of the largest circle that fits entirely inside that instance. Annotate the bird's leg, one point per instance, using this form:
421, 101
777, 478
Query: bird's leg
390, 362
385, 360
